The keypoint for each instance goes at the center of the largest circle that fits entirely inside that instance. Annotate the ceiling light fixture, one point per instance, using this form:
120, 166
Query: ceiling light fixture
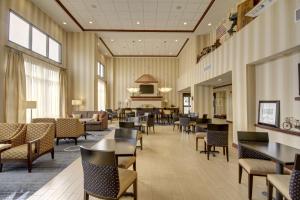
184, 23
138, 23
112, 40
64, 23
165, 89
139, 40
90, 22
176, 40
209, 24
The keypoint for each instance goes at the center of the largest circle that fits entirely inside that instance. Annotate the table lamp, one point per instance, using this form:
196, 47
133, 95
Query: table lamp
77, 103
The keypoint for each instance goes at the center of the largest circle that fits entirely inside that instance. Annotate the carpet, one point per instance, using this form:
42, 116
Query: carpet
17, 184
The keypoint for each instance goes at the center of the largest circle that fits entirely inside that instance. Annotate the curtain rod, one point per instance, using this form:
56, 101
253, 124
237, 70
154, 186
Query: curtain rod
35, 57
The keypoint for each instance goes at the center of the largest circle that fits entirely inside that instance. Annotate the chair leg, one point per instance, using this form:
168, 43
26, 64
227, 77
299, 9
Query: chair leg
135, 189
141, 141
86, 196
196, 144
134, 166
224, 151
1, 167
250, 186
208, 151
153, 130
52, 154
205, 149
240, 174
270, 191
29, 165
75, 141
57, 141
227, 153
147, 130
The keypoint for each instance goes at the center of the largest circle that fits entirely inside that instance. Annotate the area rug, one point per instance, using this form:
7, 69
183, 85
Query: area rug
17, 184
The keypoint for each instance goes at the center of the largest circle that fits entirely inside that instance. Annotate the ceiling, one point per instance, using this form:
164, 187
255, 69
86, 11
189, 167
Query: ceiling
224, 79
138, 27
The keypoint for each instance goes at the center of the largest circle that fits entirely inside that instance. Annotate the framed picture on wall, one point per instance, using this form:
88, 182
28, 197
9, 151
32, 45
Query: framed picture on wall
269, 113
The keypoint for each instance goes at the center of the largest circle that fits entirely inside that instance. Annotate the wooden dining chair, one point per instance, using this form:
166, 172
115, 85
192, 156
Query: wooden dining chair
130, 135
102, 177
254, 163
287, 185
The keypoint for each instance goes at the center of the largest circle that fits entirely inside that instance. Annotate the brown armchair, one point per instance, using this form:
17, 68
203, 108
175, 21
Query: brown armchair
45, 120
33, 141
68, 128
9, 130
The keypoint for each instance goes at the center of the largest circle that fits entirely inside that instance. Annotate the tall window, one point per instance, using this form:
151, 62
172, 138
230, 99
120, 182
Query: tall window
186, 103
101, 87
42, 85
26, 35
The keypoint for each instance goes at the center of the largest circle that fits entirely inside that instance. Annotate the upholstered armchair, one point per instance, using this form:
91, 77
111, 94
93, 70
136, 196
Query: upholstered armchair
33, 141
68, 128
45, 120
9, 130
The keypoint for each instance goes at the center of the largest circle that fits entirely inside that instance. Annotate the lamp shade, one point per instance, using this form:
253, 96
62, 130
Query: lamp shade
30, 104
76, 102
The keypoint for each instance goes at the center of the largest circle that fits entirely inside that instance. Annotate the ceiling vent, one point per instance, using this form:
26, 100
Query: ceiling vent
298, 15
260, 8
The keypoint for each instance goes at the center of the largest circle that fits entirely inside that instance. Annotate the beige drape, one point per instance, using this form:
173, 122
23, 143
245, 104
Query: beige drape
63, 93
15, 86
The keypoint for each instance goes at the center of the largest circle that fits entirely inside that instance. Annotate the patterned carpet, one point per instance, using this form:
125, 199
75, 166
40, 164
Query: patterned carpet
17, 184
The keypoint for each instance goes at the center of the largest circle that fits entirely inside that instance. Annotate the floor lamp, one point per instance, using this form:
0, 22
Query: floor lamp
77, 103
30, 105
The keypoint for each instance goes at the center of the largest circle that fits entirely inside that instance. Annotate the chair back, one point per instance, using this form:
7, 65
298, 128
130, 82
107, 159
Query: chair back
252, 136
100, 173
204, 116
167, 112
125, 133
67, 127
294, 189
126, 124
150, 120
217, 127
8, 130
184, 121
37, 130
217, 138
175, 117
134, 119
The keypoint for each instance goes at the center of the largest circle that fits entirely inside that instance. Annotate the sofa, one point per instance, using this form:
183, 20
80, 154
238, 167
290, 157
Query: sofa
92, 124
31, 142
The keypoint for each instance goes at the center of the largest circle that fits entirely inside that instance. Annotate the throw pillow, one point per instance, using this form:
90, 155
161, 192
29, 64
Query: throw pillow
95, 117
76, 116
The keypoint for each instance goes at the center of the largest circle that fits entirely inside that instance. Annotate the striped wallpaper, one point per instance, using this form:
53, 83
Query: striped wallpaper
269, 35
33, 14
127, 70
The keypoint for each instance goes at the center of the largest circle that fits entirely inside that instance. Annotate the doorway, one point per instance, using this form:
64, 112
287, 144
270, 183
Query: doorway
187, 104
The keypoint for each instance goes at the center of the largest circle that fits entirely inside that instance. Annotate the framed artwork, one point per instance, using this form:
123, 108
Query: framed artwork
269, 113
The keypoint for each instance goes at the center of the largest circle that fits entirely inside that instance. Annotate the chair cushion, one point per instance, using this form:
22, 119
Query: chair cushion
257, 166
18, 152
126, 178
201, 135
126, 162
281, 183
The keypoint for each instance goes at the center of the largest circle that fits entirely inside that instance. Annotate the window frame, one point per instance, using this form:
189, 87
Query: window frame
31, 26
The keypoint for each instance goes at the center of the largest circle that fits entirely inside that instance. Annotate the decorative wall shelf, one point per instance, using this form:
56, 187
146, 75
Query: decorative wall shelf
291, 132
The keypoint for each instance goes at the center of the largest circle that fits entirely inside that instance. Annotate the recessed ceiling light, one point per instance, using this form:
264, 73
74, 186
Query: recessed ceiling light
209, 24
90, 22
138, 22
184, 23
112, 40
64, 23
139, 40
176, 40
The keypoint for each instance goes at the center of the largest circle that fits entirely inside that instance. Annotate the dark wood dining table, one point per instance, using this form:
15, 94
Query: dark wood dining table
122, 147
281, 154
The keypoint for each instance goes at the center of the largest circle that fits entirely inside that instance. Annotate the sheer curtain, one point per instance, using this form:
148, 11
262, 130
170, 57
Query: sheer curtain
101, 94
42, 85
